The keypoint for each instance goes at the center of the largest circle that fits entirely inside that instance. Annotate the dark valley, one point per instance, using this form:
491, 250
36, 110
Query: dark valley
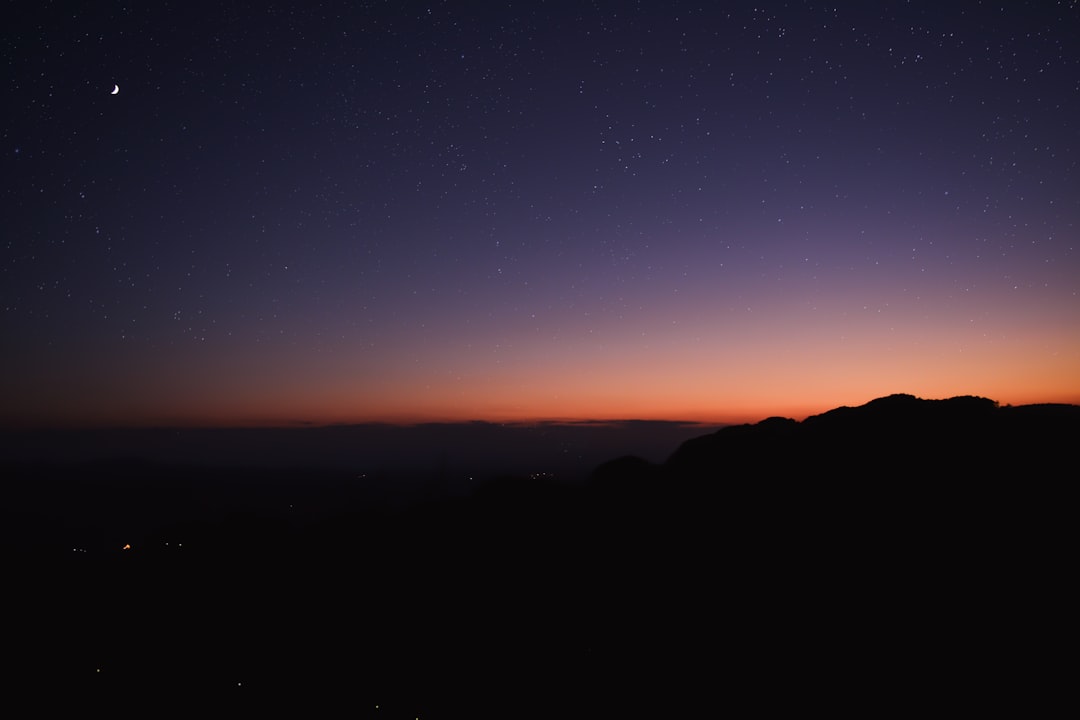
904, 554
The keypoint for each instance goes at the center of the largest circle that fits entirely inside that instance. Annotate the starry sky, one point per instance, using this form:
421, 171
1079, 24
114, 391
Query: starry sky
397, 211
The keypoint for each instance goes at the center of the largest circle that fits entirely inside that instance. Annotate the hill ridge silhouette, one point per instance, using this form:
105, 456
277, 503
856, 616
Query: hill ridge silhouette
968, 433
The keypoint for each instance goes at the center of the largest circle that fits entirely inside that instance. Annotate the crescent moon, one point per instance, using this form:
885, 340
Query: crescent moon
115, 89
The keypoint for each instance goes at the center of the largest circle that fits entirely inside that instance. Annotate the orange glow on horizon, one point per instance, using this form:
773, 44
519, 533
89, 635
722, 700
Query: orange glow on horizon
745, 411
794, 370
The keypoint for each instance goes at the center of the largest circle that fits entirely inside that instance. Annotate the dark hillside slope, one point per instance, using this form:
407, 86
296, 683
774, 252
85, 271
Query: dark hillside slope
925, 477
897, 437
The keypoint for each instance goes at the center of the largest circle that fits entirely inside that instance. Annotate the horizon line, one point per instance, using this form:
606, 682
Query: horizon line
59, 425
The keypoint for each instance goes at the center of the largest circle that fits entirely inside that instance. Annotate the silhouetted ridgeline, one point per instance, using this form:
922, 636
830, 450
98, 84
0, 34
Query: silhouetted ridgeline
903, 554
899, 437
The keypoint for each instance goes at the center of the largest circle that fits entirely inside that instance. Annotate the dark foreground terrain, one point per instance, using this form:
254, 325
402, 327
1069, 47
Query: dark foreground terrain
908, 555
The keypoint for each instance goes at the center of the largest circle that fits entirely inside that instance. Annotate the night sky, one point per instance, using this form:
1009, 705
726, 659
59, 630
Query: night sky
345, 212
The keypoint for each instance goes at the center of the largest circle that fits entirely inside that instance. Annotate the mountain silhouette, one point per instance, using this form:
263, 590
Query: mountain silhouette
899, 437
